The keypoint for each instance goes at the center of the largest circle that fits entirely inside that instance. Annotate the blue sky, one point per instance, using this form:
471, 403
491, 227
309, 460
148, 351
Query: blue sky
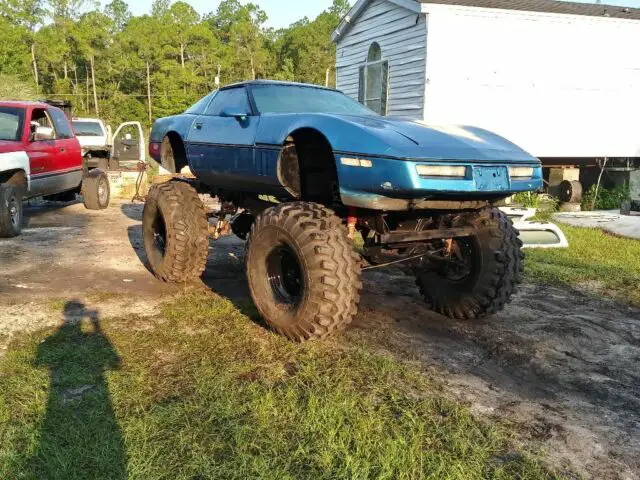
282, 13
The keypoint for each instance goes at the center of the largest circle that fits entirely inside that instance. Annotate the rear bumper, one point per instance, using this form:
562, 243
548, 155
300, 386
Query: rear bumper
389, 184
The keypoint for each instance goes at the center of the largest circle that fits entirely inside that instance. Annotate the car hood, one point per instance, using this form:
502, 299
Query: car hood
418, 140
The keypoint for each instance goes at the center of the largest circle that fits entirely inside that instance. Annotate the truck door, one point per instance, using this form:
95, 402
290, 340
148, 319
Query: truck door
68, 151
40, 149
221, 141
55, 158
128, 145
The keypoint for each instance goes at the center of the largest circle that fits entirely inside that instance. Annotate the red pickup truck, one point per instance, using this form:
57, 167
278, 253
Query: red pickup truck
41, 156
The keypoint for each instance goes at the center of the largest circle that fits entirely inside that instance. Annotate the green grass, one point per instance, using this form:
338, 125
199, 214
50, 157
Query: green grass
202, 392
606, 263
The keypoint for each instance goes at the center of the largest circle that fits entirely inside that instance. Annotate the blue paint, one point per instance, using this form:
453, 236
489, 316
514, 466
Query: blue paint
242, 152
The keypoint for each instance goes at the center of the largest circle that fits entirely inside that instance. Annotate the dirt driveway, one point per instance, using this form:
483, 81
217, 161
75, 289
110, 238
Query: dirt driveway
561, 366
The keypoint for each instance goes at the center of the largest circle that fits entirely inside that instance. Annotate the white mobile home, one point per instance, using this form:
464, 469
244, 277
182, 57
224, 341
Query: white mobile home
560, 79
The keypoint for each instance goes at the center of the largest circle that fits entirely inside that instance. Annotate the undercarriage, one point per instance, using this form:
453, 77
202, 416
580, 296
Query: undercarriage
304, 260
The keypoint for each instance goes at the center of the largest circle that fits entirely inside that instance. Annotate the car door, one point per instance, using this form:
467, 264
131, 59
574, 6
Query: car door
221, 142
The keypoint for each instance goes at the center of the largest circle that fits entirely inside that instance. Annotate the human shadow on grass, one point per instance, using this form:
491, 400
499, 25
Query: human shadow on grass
80, 436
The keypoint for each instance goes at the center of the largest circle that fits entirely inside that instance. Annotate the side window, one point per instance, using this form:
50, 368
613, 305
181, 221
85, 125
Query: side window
234, 100
60, 123
374, 81
41, 119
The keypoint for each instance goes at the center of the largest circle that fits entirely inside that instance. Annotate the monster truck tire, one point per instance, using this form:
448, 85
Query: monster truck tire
302, 270
175, 231
95, 190
496, 266
10, 210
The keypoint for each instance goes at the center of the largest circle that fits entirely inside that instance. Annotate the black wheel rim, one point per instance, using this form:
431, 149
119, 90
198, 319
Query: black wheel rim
14, 212
159, 234
285, 275
460, 264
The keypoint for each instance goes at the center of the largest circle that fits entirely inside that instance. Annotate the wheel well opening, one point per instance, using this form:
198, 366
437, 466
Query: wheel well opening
308, 169
14, 177
179, 160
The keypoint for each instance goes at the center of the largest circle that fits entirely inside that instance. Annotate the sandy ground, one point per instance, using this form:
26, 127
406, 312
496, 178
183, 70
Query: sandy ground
560, 365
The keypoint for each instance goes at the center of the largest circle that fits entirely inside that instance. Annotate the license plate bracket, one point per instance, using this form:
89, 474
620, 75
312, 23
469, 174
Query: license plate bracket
491, 179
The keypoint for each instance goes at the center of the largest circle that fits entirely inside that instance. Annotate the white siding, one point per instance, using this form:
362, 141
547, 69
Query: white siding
557, 85
402, 35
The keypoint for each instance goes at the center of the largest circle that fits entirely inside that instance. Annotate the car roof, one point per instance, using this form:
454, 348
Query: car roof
276, 82
23, 104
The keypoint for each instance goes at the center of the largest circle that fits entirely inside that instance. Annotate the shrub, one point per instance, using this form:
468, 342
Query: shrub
608, 199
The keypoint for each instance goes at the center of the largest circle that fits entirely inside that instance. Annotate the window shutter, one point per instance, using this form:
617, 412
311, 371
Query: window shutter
385, 87
361, 85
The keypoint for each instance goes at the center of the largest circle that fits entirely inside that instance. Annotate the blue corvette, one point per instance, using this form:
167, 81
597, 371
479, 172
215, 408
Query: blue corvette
292, 163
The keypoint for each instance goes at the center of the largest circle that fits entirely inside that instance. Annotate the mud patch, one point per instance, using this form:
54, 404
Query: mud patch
559, 364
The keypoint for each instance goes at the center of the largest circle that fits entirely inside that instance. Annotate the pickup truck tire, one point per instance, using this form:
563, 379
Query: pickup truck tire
175, 231
10, 210
95, 190
496, 263
302, 271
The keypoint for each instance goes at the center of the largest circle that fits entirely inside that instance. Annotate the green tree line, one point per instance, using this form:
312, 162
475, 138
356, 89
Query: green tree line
118, 66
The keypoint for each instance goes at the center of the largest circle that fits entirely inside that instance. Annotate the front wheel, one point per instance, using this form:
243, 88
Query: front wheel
10, 211
175, 230
481, 272
302, 270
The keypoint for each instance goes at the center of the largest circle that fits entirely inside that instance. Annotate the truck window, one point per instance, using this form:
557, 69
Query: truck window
88, 129
61, 123
41, 118
11, 123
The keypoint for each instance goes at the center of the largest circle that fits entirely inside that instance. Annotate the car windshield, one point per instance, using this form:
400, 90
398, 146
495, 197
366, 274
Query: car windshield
11, 120
294, 99
88, 129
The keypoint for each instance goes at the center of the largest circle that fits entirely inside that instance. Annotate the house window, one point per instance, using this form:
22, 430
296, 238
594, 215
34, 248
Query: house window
374, 81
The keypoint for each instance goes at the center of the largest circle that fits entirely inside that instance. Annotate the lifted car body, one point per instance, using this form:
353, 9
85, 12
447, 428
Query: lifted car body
246, 154
39, 156
301, 169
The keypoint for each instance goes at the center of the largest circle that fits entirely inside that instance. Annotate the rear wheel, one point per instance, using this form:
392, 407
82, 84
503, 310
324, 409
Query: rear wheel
303, 273
481, 272
10, 210
176, 234
95, 190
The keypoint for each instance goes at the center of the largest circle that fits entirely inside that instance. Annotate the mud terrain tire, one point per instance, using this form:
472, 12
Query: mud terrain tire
10, 210
175, 231
302, 270
496, 270
95, 190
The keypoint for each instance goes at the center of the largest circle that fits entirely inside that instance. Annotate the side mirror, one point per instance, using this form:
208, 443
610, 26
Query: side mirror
39, 133
235, 114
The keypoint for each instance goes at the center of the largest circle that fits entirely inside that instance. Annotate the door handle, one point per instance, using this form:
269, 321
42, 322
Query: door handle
62, 149
198, 126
